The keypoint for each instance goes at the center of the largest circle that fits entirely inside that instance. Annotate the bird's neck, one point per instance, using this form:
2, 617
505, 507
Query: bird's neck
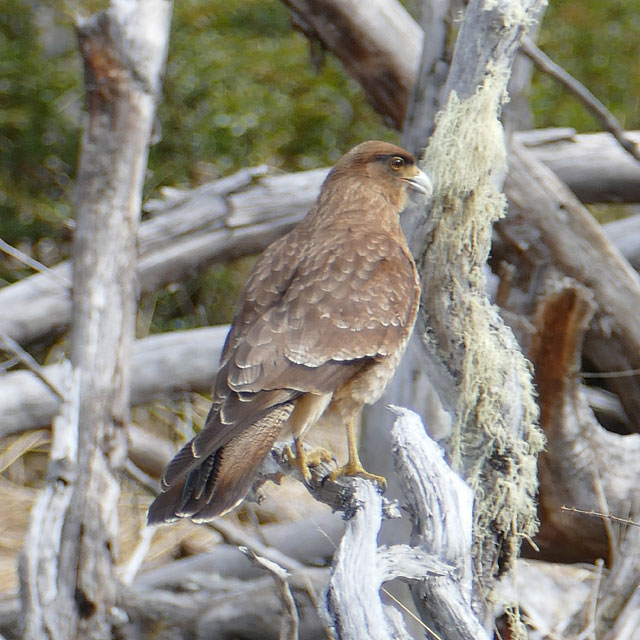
361, 203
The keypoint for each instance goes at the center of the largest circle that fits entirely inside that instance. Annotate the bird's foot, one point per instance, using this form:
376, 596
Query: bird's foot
304, 459
356, 469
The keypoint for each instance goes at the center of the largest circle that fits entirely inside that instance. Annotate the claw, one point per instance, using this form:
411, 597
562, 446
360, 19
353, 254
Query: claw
356, 469
303, 460
354, 466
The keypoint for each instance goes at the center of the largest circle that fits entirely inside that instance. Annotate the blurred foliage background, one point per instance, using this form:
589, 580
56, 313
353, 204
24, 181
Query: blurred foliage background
240, 90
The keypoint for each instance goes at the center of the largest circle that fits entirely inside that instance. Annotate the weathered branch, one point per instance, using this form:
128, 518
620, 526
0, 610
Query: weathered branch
609, 122
162, 365
67, 572
208, 607
559, 234
593, 165
441, 510
438, 23
365, 37
352, 599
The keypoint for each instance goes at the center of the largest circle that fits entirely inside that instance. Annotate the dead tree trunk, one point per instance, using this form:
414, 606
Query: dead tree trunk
69, 589
474, 361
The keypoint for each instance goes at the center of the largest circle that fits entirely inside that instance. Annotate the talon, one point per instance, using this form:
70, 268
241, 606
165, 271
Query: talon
317, 456
302, 459
351, 469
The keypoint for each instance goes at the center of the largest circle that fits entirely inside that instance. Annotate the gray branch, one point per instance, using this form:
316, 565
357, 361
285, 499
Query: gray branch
67, 573
441, 511
607, 119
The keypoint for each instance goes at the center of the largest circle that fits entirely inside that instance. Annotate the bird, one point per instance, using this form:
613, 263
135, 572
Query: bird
319, 330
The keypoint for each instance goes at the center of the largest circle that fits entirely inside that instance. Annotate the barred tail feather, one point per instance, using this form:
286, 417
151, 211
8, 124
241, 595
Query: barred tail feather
208, 487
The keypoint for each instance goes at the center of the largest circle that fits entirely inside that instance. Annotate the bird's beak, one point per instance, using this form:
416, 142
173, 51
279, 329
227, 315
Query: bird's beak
420, 182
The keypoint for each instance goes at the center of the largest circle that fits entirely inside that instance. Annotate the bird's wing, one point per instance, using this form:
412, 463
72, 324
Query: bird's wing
348, 299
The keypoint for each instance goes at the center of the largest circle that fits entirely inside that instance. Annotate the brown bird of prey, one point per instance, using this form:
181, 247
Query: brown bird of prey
320, 329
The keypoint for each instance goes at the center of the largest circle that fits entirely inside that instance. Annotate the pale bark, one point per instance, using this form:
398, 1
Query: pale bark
593, 165
161, 365
378, 42
68, 584
438, 22
559, 235
441, 512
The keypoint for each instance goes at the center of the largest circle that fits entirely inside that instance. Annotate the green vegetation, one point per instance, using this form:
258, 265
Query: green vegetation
596, 42
240, 90
38, 140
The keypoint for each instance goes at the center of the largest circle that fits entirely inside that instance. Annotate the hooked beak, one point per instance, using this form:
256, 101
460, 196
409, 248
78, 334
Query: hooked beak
420, 182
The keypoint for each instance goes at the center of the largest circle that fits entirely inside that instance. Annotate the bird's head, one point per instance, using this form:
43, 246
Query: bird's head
384, 167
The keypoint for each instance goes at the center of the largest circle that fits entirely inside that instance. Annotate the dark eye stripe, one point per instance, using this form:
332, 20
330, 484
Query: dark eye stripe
389, 156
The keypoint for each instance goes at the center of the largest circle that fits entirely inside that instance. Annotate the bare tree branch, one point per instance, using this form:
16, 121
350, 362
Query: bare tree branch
290, 620
441, 510
365, 37
162, 365
67, 578
10, 345
608, 120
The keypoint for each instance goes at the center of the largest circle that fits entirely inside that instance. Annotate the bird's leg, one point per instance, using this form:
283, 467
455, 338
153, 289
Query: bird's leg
354, 466
304, 460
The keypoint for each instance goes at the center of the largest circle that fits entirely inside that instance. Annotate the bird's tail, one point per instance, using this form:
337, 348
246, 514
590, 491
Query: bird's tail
206, 487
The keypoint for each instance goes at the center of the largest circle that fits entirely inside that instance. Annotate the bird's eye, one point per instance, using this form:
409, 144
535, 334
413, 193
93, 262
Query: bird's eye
397, 163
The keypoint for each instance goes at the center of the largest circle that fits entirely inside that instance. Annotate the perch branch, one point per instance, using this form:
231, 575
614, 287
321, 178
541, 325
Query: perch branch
441, 510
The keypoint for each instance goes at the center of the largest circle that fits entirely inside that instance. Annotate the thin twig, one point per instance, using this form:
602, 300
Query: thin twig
291, 619
589, 631
129, 571
597, 514
31, 262
410, 613
142, 478
608, 120
11, 346
235, 535
604, 507
610, 374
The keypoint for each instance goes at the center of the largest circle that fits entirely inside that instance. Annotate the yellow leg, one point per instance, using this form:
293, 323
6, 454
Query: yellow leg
354, 466
304, 460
